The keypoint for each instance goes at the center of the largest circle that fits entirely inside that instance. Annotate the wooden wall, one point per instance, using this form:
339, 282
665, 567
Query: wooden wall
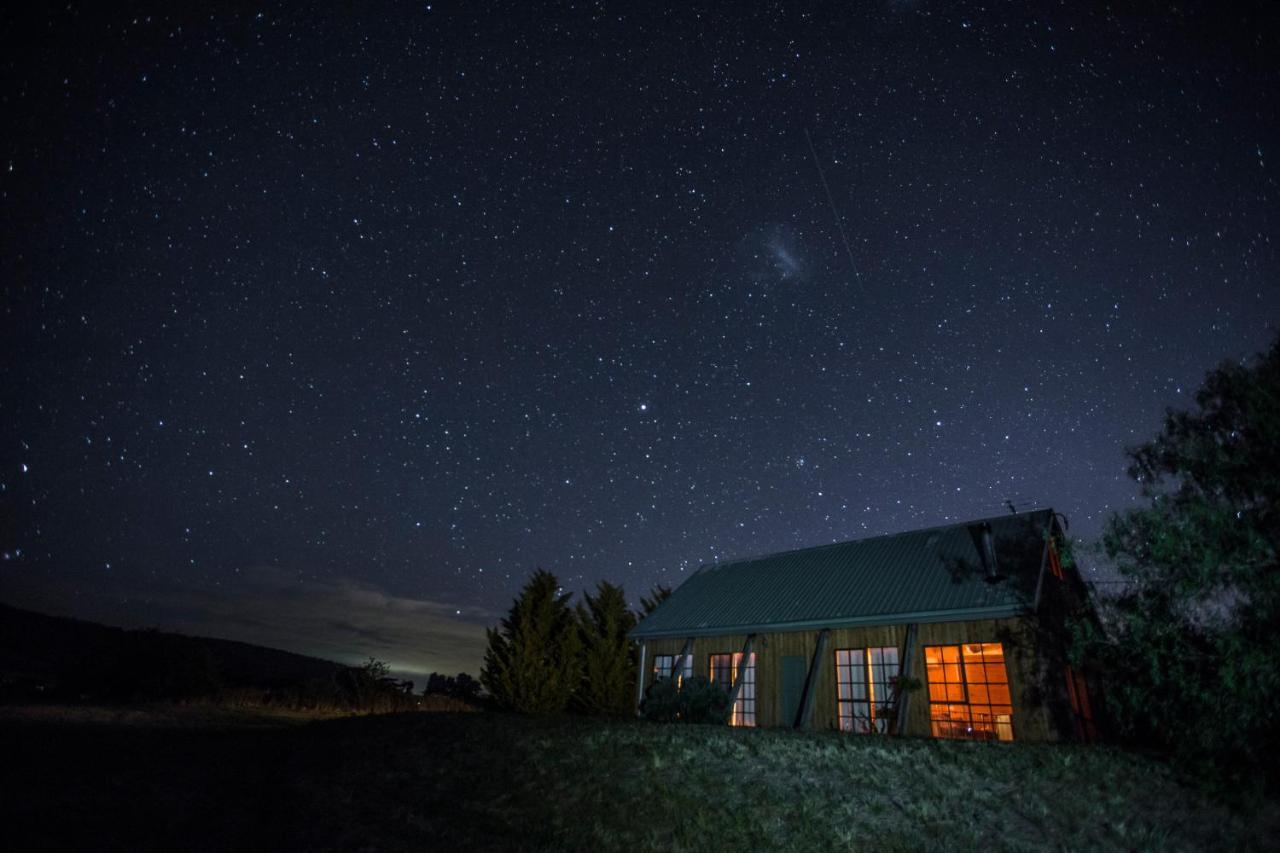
1032, 718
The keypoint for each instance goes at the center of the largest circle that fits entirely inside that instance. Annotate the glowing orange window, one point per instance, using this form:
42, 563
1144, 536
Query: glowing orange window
969, 692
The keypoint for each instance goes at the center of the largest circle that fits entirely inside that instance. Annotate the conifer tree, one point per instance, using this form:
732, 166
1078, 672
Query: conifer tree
659, 594
608, 658
533, 661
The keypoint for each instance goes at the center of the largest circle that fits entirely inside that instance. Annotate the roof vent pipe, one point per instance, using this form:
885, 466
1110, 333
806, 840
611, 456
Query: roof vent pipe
989, 553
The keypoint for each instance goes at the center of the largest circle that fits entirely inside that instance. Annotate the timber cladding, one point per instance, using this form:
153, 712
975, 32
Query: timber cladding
1023, 663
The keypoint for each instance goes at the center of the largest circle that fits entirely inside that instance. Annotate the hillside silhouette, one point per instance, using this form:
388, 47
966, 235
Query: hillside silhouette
56, 658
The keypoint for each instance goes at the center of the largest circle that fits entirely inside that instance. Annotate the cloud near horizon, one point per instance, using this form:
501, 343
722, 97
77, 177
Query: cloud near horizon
337, 619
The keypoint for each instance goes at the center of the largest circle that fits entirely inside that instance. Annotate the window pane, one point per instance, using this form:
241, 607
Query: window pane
743, 712
721, 670
993, 650
970, 700
975, 672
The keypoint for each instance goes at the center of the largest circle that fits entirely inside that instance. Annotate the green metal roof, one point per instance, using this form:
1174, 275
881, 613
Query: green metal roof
932, 575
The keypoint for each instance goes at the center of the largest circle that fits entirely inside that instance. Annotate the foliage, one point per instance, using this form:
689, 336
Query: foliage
370, 688
532, 663
1192, 654
608, 658
661, 702
703, 701
695, 700
461, 686
650, 603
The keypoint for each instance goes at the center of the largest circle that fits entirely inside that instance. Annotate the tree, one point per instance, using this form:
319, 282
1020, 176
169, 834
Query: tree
532, 661
1191, 656
608, 660
438, 684
659, 594
462, 686
466, 688
370, 687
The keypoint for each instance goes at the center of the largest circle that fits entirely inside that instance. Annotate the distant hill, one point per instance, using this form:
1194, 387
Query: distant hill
55, 651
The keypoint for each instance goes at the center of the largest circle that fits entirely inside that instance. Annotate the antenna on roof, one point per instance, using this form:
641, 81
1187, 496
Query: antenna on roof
1012, 502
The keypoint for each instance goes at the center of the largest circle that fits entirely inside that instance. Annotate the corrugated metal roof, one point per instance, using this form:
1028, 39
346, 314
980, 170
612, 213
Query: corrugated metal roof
936, 574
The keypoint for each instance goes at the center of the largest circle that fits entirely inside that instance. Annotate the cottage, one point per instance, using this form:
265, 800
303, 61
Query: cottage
975, 614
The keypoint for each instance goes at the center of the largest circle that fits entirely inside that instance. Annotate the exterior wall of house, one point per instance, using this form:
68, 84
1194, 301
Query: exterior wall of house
1033, 719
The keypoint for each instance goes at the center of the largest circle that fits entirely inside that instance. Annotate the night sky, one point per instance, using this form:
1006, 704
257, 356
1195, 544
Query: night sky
323, 329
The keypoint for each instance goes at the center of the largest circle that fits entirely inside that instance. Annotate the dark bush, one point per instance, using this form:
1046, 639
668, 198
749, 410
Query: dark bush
696, 700
661, 702
702, 701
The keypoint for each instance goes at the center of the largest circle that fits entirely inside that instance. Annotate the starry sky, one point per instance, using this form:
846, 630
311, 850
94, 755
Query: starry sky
324, 325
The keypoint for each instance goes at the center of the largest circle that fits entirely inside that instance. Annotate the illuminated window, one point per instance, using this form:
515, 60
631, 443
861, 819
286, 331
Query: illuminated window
864, 688
724, 671
662, 665
969, 692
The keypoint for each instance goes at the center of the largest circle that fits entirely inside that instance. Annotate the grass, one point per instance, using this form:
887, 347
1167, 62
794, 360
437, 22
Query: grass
490, 781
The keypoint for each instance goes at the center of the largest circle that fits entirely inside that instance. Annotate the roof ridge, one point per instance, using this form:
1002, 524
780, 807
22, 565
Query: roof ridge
915, 532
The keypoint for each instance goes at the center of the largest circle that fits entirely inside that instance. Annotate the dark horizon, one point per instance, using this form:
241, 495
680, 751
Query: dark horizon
323, 331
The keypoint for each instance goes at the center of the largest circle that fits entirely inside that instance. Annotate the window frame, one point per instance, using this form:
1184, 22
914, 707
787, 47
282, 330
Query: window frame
954, 714
659, 675
863, 660
743, 712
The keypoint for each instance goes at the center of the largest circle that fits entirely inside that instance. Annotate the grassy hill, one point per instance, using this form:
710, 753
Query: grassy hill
498, 782
54, 651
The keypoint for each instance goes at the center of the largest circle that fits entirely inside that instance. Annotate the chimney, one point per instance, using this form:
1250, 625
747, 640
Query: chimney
989, 553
